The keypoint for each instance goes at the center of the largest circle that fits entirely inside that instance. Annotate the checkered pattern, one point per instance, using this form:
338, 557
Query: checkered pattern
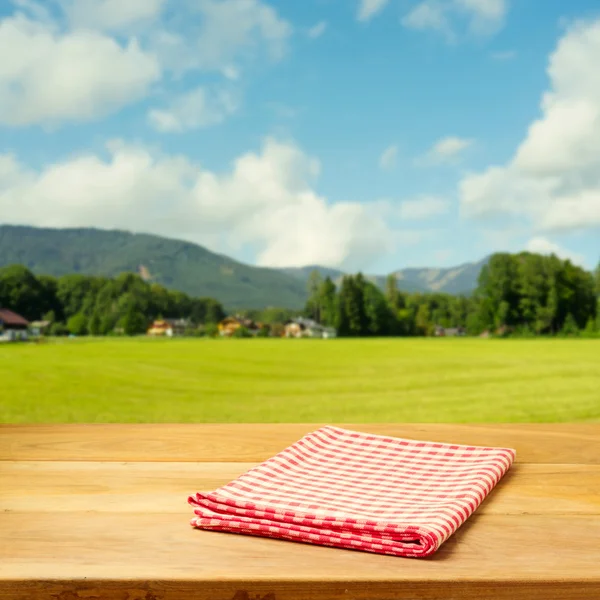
336, 487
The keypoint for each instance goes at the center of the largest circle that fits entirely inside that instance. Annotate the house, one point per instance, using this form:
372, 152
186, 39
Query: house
169, 327
229, 325
440, 331
12, 326
307, 328
39, 328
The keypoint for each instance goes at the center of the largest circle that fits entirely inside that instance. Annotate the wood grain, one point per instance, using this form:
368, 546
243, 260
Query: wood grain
463, 589
157, 546
99, 512
163, 487
539, 443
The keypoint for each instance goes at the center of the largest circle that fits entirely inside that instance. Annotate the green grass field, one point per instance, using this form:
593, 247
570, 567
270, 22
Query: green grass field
419, 380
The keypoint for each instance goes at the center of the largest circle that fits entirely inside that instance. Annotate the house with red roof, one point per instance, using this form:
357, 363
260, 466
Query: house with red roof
12, 326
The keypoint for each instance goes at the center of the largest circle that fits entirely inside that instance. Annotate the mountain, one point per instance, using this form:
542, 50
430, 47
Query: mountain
454, 280
304, 273
193, 269
172, 263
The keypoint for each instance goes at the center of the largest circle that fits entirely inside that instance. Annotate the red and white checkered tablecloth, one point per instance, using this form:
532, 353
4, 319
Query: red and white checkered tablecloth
347, 489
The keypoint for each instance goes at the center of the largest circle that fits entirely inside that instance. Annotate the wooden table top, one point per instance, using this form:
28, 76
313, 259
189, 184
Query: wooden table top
97, 512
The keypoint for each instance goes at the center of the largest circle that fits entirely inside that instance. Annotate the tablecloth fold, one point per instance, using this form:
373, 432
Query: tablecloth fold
348, 489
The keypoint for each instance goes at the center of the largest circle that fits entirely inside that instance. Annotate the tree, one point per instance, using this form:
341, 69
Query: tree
108, 323
50, 316
570, 326
404, 322
351, 317
77, 293
134, 322
58, 329
422, 320
264, 331
499, 284
241, 332
211, 330
95, 324
77, 324
328, 305
597, 280
591, 328
21, 292
50, 303
378, 313
214, 311
313, 304
392, 293
274, 315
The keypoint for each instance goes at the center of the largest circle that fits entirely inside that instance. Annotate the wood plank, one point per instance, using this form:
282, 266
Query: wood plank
521, 557
163, 487
535, 443
463, 589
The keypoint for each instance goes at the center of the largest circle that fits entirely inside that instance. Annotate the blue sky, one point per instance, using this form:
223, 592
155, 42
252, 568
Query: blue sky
361, 134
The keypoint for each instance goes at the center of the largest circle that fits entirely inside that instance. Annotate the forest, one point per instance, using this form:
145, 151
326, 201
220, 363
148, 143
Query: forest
517, 294
521, 294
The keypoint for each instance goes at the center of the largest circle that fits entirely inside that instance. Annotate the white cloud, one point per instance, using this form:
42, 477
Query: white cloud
424, 207
194, 110
367, 9
220, 33
553, 180
387, 160
266, 200
450, 147
478, 17
111, 15
34, 10
446, 150
70, 69
231, 72
429, 15
486, 16
541, 245
48, 77
317, 30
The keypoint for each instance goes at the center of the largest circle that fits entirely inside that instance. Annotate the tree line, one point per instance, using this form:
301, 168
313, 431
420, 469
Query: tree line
83, 304
517, 294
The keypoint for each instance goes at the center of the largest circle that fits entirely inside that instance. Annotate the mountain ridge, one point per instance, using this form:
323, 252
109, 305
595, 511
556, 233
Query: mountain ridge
192, 268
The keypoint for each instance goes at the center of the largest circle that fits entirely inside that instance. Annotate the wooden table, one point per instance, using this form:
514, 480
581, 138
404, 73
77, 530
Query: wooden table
95, 512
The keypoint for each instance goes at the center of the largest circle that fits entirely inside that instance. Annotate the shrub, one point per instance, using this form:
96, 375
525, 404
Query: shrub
211, 330
241, 332
58, 329
77, 324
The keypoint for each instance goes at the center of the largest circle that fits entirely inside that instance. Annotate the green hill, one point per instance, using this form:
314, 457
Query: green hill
175, 264
191, 268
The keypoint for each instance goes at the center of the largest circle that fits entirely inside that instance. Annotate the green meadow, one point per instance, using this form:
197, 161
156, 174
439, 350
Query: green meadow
278, 380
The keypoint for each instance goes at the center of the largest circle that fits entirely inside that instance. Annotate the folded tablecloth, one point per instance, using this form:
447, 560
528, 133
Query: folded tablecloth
347, 489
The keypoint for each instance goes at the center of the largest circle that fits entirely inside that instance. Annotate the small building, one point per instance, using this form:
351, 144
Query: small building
169, 327
13, 327
301, 327
39, 328
440, 331
229, 325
